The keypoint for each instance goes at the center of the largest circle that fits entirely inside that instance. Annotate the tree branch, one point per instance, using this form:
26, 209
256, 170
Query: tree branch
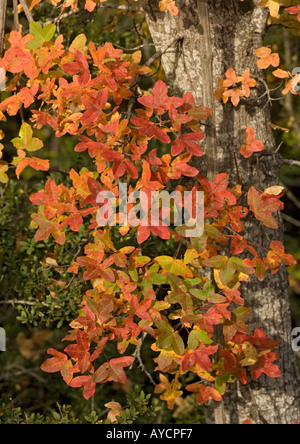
16, 15
163, 50
137, 355
99, 5
290, 162
26, 10
291, 220
3, 7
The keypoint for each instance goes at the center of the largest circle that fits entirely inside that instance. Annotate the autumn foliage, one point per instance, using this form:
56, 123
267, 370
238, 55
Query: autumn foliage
91, 92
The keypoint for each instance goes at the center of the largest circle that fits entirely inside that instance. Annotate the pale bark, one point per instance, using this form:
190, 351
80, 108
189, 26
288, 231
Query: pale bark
3, 6
217, 36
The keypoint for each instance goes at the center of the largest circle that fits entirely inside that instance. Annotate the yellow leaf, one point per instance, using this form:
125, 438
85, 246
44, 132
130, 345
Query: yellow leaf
274, 191
217, 279
250, 353
115, 410
273, 5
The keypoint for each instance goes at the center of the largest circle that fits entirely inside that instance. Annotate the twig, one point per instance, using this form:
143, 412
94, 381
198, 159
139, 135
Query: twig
57, 170
137, 355
290, 195
26, 10
21, 302
153, 58
163, 50
135, 48
291, 220
290, 162
121, 7
16, 15
99, 5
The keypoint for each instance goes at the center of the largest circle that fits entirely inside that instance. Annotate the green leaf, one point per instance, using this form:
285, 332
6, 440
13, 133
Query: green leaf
25, 141
197, 337
40, 35
174, 266
78, 43
3, 169
169, 339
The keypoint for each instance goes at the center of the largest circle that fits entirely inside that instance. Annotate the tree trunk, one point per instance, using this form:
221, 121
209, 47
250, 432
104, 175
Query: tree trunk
214, 36
3, 5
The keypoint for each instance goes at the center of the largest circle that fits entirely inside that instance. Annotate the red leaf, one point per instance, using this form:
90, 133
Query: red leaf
160, 101
113, 370
200, 357
149, 129
188, 141
87, 383
204, 393
61, 363
264, 365
264, 207
252, 145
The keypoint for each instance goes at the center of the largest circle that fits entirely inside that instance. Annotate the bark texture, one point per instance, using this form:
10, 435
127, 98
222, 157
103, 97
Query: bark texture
3, 5
214, 36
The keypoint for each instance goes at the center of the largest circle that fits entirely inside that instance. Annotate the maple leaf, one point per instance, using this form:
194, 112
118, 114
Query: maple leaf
171, 390
273, 5
231, 78
266, 58
47, 227
25, 141
115, 410
168, 338
95, 269
3, 169
148, 128
113, 370
277, 255
160, 101
294, 10
168, 5
252, 145
79, 66
188, 141
88, 385
24, 60
199, 112
238, 322
204, 392
234, 94
260, 339
229, 268
265, 365
33, 162
180, 167
247, 83
281, 74
80, 351
264, 207
177, 118
199, 356
40, 35
174, 266
146, 179
59, 362
143, 233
